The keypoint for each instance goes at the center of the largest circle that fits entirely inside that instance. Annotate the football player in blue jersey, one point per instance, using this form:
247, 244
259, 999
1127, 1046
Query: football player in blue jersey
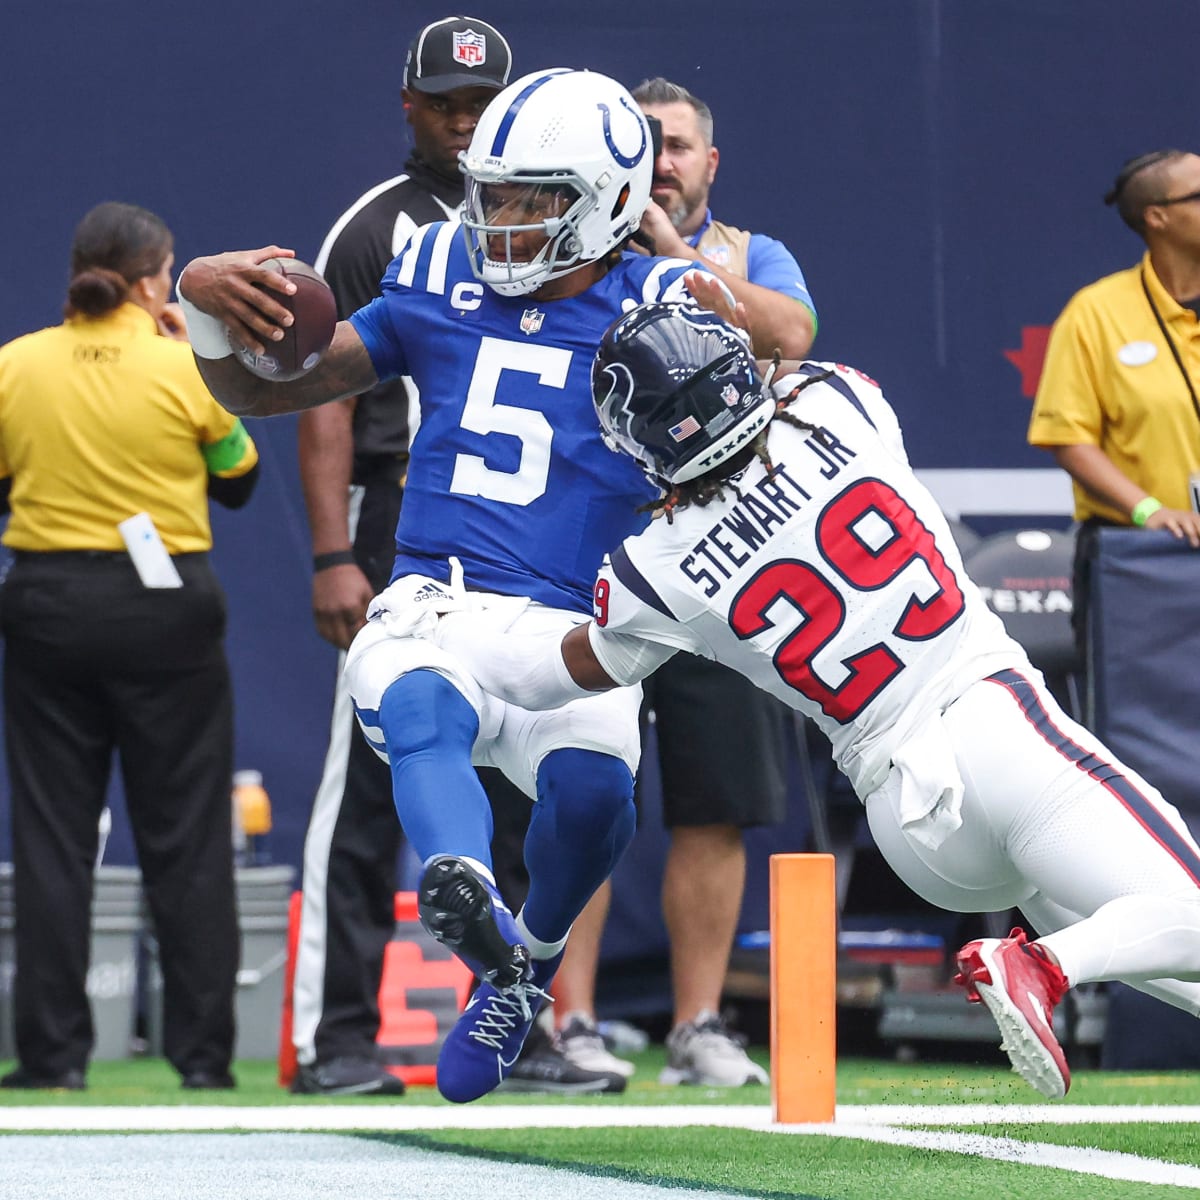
511, 486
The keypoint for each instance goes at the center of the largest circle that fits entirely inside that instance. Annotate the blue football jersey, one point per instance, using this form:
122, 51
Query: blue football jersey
508, 470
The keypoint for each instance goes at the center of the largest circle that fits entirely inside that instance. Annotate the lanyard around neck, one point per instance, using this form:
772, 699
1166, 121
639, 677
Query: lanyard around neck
1162, 325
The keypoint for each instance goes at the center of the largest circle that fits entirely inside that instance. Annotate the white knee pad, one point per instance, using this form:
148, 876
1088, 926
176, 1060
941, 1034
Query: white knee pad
376, 660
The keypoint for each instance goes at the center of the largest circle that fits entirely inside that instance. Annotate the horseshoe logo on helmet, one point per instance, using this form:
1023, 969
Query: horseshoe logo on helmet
626, 161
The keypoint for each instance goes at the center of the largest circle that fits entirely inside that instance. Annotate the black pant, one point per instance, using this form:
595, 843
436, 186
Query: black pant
351, 847
94, 662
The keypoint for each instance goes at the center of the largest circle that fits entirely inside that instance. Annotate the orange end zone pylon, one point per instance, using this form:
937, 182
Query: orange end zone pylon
803, 988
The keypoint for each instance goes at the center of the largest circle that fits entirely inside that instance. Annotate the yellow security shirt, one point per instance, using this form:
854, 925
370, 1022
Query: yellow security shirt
1110, 380
104, 418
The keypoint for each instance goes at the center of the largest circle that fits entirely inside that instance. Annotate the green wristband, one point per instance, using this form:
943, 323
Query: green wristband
1144, 509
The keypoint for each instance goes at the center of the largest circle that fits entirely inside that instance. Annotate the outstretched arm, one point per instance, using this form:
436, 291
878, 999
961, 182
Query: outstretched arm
581, 662
234, 292
775, 319
537, 671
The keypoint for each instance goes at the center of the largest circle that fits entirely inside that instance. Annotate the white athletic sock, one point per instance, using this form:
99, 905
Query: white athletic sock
1177, 992
538, 948
1132, 939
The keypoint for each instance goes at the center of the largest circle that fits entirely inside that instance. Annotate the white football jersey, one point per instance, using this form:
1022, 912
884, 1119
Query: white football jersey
833, 583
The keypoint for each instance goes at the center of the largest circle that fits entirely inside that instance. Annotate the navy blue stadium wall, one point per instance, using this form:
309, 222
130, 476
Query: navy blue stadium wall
935, 165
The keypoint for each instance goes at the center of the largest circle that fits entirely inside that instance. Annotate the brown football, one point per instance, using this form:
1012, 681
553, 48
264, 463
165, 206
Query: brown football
309, 335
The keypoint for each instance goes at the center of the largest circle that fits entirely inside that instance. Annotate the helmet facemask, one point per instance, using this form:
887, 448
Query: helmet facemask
551, 206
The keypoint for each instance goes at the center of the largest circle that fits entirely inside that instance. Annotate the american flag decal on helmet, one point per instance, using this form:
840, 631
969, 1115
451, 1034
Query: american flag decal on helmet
684, 429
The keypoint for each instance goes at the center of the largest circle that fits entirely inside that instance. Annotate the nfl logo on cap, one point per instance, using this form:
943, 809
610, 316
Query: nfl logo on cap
470, 48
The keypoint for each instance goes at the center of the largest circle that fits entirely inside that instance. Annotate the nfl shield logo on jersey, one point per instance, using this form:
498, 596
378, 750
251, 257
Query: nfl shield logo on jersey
470, 48
730, 394
531, 321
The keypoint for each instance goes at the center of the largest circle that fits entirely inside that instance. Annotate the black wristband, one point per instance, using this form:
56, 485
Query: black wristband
335, 558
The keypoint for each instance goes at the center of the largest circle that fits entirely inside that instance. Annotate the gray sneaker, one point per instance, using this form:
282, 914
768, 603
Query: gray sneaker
705, 1052
542, 1067
582, 1044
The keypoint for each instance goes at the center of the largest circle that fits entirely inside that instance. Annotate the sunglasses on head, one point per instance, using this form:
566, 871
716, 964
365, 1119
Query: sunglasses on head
1176, 200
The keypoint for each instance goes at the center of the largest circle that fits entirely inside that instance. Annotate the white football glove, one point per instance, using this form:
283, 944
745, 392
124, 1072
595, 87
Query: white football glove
412, 605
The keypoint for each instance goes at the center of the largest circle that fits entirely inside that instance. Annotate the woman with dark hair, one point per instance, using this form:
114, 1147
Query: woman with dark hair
113, 620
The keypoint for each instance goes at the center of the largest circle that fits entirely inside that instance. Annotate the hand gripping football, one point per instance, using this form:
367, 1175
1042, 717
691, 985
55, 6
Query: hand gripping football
309, 335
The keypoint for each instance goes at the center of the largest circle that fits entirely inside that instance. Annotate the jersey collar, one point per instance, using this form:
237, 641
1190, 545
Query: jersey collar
1166, 304
450, 194
128, 316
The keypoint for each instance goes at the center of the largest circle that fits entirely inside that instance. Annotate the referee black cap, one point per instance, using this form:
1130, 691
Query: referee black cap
457, 52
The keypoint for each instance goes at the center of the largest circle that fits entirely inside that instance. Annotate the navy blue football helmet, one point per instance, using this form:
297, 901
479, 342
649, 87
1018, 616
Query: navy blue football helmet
676, 387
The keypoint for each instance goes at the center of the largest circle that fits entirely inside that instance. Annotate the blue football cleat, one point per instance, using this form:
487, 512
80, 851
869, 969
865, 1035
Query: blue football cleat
480, 1050
465, 913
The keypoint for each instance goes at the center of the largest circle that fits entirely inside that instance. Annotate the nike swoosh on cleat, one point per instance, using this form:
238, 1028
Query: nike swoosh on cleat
1037, 1008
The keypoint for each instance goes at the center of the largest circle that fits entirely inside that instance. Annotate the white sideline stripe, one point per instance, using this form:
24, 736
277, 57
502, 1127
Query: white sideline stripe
1019, 1114
399, 1118
1111, 1164
871, 1123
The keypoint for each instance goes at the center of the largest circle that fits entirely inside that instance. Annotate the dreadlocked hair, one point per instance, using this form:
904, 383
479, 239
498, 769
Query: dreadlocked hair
712, 486
791, 419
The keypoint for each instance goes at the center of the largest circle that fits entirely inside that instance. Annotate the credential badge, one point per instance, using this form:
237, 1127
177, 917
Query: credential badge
470, 48
531, 321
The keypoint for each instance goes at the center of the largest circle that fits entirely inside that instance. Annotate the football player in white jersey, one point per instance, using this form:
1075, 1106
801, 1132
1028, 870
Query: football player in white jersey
497, 323
797, 546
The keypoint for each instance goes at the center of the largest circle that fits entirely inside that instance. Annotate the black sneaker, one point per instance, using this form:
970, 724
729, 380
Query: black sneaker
208, 1081
69, 1081
346, 1076
542, 1067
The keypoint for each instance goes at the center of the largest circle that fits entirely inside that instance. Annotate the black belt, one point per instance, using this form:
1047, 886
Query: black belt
66, 555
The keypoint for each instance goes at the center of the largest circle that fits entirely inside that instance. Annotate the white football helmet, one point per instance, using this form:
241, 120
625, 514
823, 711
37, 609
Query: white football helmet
566, 154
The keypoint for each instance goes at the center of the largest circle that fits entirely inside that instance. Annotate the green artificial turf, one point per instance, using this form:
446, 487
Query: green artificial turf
747, 1162
773, 1165
859, 1081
